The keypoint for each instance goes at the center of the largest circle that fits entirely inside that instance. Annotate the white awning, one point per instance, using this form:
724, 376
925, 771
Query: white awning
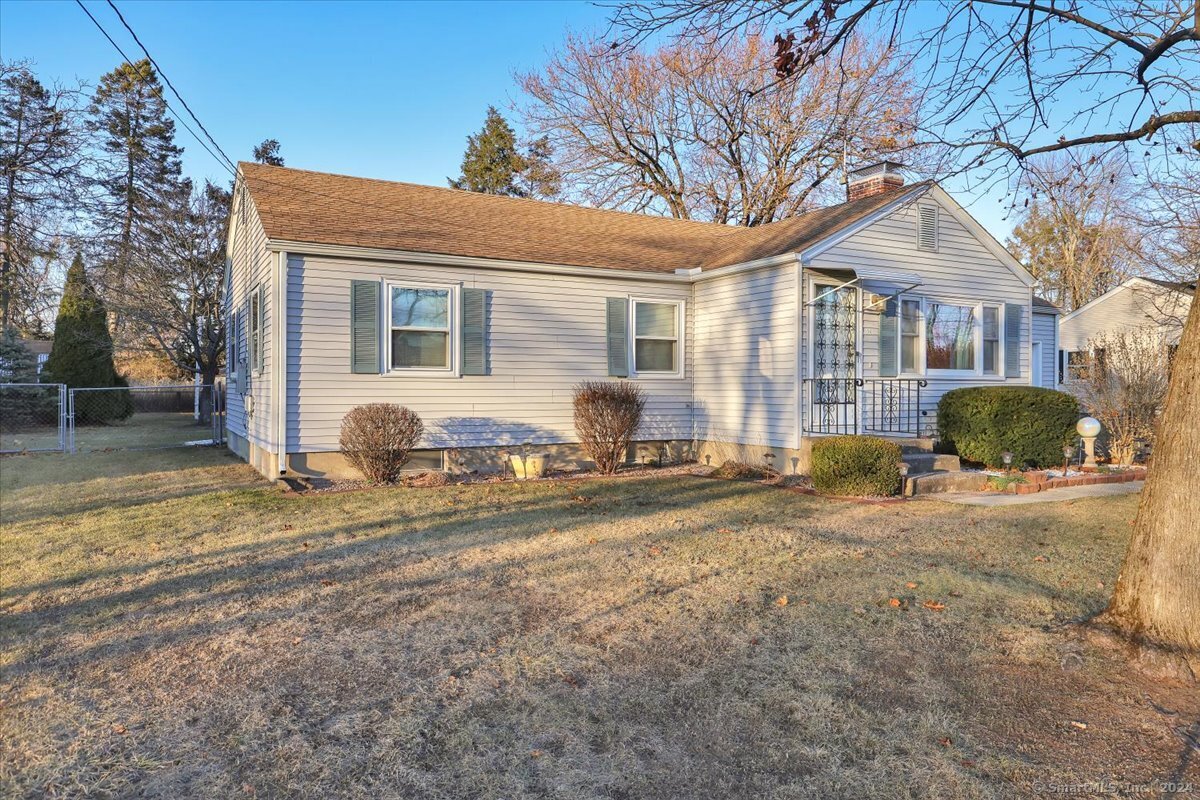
885, 275
899, 281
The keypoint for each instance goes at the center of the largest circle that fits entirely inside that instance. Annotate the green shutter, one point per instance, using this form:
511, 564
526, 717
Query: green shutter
364, 327
618, 337
1012, 340
888, 332
474, 332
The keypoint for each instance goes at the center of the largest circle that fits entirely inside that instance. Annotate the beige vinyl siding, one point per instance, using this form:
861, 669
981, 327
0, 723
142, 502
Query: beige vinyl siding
745, 358
545, 333
962, 269
1043, 332
1133, 306
252, 264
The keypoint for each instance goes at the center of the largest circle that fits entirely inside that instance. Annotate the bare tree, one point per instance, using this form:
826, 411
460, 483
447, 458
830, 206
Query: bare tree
681, 131
176, 281
1156, 602
994, 70
1075, 232
1125, 386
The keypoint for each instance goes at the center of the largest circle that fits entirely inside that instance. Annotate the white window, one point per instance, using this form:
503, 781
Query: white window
910, 336
927, 228
255, 333
231, 357
656, 326
419, 335
991, 340
949, 337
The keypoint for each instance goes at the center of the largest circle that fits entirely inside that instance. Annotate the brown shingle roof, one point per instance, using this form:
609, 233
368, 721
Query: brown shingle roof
320, 208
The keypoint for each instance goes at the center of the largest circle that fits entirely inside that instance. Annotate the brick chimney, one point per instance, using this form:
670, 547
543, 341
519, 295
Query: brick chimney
874, 179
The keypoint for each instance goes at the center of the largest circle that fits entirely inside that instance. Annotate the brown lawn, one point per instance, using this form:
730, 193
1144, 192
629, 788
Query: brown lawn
174, 627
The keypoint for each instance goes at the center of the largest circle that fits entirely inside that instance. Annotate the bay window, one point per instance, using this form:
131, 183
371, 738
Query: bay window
419, 332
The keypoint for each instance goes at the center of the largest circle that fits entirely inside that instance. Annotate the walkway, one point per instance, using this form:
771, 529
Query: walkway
1053, 496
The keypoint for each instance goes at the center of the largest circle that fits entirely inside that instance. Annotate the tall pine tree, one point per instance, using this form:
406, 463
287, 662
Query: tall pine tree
495, 164
141, 165
82, 354
39, 171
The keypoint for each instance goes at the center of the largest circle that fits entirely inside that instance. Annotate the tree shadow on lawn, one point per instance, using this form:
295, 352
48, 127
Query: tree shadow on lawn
339, 552
480, 622
343, 554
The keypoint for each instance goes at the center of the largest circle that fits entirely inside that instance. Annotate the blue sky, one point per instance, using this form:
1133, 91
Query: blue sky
385, 90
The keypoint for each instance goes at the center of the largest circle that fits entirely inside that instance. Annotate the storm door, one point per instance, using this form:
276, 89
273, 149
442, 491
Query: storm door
833, 389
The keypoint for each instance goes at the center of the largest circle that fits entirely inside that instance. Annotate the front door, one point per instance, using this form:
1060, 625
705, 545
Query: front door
834, 320
1036, 372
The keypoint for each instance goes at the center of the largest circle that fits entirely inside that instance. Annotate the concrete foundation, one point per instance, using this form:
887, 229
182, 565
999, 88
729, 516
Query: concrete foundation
256, 456
562, 456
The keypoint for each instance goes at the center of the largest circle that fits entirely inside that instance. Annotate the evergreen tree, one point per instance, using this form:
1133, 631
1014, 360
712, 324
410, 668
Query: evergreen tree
82, 354
141, 164
495, 164
26, 406
17, 363
269, 153
39, 173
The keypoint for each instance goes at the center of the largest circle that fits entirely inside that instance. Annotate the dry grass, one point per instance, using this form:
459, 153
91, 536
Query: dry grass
174, 628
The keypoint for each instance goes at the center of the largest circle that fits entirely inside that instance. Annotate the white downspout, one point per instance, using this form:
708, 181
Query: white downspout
280, 362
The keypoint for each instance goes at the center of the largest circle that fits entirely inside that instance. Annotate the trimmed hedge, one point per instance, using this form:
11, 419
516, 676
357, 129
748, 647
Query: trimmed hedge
857, 466
981, 422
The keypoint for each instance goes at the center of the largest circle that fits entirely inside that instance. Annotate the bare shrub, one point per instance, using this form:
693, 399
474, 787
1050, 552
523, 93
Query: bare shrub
737, 471
377, 438
1125, 387
606, 417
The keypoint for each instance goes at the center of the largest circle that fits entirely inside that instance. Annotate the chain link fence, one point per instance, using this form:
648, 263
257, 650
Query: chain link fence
33, 417
145, 417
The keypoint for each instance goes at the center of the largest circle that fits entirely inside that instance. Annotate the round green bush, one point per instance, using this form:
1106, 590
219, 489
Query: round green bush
981, 422
856, 466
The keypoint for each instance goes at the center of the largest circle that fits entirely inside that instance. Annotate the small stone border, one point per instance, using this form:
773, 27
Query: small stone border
1040, 481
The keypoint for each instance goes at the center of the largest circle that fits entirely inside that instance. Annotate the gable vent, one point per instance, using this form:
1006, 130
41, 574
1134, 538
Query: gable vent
927, 228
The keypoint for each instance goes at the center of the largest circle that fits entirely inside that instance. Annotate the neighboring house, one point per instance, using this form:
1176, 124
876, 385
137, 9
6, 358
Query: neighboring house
482, 312
1137, 304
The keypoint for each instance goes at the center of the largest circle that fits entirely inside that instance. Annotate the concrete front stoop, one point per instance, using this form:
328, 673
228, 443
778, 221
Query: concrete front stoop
937, 473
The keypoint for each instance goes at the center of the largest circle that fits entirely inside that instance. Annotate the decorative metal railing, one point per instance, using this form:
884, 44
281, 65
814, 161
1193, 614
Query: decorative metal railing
890, 406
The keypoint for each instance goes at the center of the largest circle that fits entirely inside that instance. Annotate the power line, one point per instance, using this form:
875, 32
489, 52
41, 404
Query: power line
171, 86
158, 91
228, 164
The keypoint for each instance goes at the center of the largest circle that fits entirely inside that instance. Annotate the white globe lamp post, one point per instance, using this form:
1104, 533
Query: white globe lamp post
1088, 429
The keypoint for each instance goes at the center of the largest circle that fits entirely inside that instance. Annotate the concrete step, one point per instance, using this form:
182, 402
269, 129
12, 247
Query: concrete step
916, 446
931, 462
939, 482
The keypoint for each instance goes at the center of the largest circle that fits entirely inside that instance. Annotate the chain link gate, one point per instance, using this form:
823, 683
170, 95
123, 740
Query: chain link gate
33, 417
145, 417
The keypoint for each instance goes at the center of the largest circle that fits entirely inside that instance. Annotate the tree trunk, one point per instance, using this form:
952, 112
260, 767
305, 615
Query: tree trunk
1156, 602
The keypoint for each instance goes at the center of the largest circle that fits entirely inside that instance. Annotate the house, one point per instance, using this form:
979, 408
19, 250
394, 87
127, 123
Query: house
1137, 304
482, 312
